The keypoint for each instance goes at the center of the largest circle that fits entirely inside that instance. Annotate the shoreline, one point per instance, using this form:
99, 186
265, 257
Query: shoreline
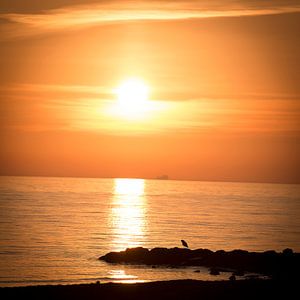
173, 289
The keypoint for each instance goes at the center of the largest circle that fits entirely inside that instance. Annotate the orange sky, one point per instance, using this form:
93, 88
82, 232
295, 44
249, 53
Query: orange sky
223, 79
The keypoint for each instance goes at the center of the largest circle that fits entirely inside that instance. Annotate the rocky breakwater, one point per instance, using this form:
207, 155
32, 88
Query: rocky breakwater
285, 264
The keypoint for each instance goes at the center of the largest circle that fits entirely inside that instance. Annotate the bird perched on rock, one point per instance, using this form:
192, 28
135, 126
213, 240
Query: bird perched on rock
184, 243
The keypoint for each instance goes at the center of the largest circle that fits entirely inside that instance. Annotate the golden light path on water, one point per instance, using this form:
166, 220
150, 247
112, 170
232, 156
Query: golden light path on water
128, 213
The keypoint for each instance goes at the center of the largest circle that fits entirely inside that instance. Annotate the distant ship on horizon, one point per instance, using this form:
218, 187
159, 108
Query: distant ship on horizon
162, 177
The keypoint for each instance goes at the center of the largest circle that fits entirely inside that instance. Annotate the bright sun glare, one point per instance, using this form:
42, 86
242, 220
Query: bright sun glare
133, 98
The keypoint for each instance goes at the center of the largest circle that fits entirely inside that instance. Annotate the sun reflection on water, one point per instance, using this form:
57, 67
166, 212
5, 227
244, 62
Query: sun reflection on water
128, 213
121, 276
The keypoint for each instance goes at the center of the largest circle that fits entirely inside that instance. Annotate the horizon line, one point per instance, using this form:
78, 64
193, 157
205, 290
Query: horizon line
169, 179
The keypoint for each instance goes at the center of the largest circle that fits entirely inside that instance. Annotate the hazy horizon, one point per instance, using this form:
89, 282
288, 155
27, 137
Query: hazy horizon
155, 178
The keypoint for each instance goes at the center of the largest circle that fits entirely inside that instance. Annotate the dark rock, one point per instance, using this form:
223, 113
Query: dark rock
137, 255
239, 273
252, 277
197, 271
214, 271
285, 264
173, 256
202, 252
239, 252
288, 251
232, 278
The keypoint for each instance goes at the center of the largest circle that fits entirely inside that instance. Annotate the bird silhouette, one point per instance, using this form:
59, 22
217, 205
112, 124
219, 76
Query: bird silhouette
184, 243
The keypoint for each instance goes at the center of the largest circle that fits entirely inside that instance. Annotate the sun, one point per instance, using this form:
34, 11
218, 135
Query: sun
132, 92
133, 98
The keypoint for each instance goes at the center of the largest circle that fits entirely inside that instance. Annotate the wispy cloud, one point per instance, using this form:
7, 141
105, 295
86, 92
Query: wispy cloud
36, 107
107, 93
72, 90
71, 17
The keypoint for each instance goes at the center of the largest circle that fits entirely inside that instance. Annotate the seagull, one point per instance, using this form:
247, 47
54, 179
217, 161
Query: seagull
184, 243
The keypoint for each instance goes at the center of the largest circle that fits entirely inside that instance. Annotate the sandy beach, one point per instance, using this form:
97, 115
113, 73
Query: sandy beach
180, 289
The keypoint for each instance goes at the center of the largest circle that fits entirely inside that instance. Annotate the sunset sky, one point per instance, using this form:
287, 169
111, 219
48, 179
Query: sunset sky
222, 80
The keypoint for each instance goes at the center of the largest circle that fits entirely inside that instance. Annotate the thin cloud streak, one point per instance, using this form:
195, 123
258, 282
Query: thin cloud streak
37, 88
22, 25
35, 108
107, 93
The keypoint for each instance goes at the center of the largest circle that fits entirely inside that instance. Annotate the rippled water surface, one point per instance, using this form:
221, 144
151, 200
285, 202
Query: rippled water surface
54, 229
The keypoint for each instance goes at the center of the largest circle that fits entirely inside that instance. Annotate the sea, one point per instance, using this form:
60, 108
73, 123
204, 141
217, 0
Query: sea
53, 230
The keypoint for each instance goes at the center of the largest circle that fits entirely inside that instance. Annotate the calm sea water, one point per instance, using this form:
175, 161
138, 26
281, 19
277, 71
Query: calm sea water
54, 229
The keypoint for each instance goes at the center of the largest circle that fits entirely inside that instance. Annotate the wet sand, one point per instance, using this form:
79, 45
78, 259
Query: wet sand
176, 289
